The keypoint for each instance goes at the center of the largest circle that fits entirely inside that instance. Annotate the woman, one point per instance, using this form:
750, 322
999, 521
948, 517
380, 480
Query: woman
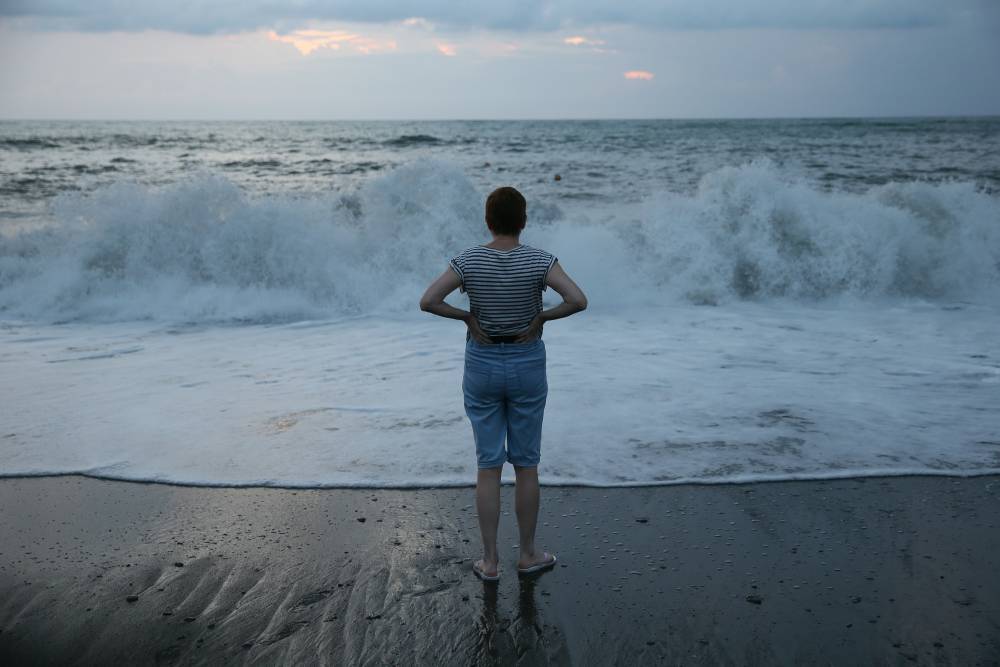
505, 384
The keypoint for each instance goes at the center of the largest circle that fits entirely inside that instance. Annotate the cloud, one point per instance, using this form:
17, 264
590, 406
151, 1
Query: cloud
446, 49
418, 22
639, 75
307, 41
228, 16
577, 40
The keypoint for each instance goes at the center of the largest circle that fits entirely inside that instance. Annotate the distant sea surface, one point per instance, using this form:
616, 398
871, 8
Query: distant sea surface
235, 302
609, 161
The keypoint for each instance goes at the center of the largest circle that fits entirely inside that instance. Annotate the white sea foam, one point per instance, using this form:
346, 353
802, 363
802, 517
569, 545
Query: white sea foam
203, 250
753, 232
685, 393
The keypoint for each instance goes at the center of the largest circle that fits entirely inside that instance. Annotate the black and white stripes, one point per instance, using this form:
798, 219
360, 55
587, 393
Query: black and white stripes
504, 286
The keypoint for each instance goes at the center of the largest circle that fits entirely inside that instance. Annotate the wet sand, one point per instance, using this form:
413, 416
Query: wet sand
897, 570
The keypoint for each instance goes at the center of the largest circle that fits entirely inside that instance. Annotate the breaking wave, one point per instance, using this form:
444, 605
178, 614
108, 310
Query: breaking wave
204, 250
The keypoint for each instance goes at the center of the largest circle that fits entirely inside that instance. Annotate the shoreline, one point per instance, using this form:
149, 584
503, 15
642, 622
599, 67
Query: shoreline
820, 477
867, 570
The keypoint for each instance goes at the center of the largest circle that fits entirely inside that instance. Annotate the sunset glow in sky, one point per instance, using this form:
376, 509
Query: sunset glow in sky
409, 59
639, 75
308, 41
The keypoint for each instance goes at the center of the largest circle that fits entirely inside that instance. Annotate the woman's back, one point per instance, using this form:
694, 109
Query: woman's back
504, 286
504, 383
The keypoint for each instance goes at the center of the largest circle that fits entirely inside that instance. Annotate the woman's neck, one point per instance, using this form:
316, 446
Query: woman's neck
501, 242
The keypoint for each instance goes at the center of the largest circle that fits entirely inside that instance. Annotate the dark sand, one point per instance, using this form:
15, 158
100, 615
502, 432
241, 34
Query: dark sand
898, 571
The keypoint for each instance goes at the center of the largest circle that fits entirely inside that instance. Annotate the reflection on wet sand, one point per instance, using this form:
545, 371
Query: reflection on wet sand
506, 640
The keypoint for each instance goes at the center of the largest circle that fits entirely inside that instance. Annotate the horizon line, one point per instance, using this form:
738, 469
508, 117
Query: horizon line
497, 119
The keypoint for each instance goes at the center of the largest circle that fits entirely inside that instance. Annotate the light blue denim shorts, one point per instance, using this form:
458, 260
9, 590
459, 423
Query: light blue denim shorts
505, 388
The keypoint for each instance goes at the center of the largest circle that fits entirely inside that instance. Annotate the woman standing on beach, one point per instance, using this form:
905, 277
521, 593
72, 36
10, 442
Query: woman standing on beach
505, 384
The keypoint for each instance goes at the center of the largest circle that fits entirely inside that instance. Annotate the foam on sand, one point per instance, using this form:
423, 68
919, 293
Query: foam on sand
687, 393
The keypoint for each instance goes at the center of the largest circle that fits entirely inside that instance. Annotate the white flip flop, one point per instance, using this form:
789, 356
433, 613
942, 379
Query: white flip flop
482, 575
538, 567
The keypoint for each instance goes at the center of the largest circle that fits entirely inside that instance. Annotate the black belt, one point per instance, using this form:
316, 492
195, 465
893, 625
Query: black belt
503, 339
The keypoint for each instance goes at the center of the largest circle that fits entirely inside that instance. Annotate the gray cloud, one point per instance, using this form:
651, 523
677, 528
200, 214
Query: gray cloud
228, 16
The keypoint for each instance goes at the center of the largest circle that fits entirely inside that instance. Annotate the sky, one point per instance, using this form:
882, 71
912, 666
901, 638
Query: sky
440, 59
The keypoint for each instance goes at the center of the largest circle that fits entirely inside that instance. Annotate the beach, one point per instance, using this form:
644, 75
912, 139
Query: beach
228, 434
249, 251
878, 570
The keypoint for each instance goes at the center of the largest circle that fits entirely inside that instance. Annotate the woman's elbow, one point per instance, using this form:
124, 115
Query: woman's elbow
580, 303
425, 304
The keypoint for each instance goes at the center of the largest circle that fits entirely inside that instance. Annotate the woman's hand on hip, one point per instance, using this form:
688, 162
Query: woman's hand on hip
533, 332
476, 331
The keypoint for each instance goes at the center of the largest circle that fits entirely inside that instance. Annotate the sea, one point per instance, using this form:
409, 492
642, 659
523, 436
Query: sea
235, 303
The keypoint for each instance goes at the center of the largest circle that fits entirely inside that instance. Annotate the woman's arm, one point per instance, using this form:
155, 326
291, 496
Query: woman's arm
433, 302
574, 300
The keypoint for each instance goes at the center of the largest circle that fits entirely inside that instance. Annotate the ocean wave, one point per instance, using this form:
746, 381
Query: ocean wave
27, 144
252, 163
413, 140
204, 250
755, 232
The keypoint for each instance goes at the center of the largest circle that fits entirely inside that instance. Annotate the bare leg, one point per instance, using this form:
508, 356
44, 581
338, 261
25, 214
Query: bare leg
526, 498
488, 508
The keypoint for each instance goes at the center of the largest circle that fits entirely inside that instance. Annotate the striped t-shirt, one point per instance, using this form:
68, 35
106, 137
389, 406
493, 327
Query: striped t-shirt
504, 286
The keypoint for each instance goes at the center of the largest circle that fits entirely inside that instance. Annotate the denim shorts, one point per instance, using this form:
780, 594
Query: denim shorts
505, 388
